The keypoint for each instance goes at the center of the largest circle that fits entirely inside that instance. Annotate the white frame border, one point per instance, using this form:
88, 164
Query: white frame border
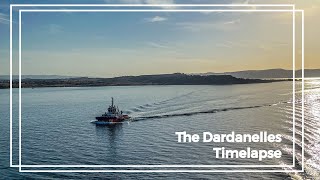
155, 10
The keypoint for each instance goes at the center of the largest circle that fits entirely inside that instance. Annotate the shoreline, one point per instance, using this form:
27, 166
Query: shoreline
132, 85
142, 80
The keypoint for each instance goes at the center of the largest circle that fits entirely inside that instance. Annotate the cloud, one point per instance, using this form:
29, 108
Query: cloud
220, 25
262, 45
145, 2
232, 44
164, 49
156, 19
54, 29
210, 12
237, 43
242, 1
129, 1
223, 45
245, 2
4, 19
157, 45
232, 22
159, 1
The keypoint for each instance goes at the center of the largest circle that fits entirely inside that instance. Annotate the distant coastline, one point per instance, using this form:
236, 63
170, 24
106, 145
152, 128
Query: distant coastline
161, 79
268, 73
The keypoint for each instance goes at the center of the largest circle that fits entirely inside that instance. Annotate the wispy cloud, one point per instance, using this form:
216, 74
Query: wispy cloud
232, 22
271, 46
156, 19
221, 25
157, 45
232, 44
237, 43
54, 29
4, 19
159, 1
127, 1
242, 1
165, 48
262, 45
210, 12
223, 45
245, 2
145, 2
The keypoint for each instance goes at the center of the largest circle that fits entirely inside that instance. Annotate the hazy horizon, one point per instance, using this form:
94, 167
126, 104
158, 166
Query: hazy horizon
158, 73
64, 75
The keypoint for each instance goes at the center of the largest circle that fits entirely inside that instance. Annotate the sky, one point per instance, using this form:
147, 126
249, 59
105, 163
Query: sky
108, 44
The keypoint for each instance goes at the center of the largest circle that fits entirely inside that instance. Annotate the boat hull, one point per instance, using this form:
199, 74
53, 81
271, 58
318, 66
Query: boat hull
115, 119
104, 122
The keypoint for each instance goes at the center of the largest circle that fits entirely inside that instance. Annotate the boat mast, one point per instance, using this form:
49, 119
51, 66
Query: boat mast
112, 101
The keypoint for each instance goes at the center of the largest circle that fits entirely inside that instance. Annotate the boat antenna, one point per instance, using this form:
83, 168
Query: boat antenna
112, 101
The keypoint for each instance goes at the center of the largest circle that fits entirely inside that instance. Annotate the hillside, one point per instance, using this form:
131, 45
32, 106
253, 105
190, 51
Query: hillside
161, 79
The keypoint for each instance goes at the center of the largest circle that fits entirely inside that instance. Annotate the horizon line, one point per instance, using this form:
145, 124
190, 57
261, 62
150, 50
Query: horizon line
92, 76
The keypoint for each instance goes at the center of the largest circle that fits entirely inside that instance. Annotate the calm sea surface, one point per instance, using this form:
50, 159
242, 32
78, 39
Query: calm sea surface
57, 129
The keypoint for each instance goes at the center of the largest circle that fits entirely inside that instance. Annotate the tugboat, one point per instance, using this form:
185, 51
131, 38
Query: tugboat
112, 116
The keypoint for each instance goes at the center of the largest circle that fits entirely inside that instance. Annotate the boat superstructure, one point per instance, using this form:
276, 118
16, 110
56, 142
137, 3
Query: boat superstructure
113, 115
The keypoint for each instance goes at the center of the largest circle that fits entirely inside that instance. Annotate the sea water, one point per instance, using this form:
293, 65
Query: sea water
56, 128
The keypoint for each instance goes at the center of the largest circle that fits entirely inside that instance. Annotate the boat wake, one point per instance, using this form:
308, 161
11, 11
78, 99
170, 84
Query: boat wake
197, 112
161, 109
141, 108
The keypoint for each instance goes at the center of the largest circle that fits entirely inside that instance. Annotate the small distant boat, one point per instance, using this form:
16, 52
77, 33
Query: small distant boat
114, 115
